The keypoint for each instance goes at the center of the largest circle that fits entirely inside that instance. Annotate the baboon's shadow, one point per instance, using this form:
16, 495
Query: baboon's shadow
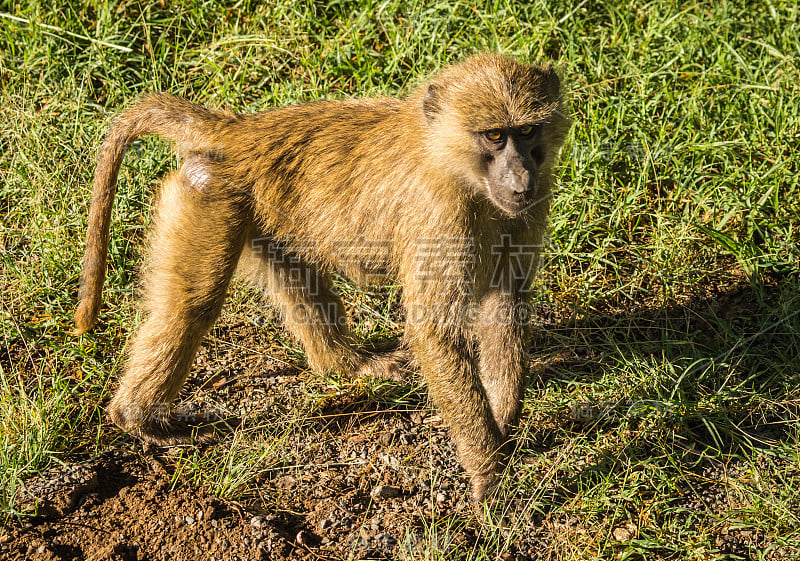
745, 335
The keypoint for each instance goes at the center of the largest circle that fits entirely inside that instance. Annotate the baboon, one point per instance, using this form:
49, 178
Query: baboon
447, 192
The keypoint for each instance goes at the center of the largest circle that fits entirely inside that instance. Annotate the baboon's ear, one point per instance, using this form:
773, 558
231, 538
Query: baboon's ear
555, 81
430, 105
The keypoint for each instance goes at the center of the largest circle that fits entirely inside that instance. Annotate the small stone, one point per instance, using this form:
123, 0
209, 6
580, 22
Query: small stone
257, 521
325, 524
189, 520
386, 492
624, 532
393, 462
440, 498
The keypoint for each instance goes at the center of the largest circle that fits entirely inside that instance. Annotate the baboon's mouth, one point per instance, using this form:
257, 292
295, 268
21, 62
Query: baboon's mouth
514, 205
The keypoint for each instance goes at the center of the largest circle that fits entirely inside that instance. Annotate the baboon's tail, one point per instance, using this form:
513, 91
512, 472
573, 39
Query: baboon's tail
173, 118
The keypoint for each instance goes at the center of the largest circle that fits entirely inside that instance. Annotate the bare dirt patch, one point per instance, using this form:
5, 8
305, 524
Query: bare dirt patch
124, 506
355, 478
356, 474
129, 503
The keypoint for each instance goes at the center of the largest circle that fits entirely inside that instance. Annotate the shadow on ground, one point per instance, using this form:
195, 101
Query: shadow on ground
361, 474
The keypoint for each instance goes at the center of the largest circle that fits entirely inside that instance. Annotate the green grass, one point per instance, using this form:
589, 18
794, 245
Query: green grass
671, 277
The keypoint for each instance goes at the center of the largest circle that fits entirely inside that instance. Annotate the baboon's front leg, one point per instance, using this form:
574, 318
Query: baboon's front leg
448, 365
196, 242
502, 336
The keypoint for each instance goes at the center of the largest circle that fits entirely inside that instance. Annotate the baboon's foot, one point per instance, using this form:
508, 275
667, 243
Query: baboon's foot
166, 427
395, 364
495, 510
483, 486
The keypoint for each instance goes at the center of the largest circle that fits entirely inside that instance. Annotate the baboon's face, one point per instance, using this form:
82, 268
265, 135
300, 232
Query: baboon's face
511, 159
499, 124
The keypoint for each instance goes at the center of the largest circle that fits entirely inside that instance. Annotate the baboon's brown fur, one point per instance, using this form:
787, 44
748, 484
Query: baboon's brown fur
427, 190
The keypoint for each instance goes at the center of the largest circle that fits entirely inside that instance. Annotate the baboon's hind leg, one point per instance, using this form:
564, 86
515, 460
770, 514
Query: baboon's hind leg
311, 309
313, 312
197, 239
391, 361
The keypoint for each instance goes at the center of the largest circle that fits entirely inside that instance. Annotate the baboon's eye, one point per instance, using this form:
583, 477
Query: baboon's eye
494, 136
526, 130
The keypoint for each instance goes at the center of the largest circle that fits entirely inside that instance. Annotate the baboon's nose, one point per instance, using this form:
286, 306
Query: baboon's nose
519, 182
